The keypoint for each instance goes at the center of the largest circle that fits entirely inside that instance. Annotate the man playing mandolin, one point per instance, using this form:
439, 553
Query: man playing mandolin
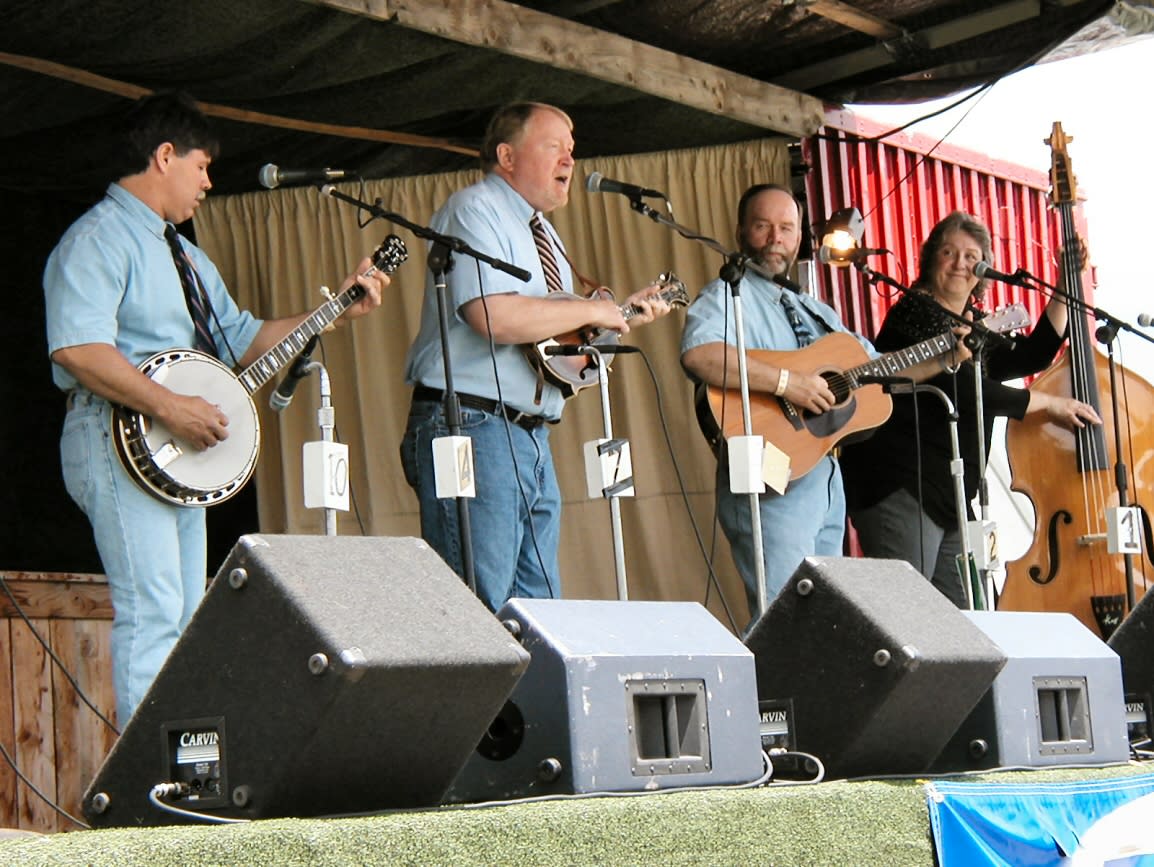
120, 287
515, 517
809, 517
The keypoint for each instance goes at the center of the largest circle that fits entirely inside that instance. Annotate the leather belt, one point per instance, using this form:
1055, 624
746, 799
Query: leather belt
525, 420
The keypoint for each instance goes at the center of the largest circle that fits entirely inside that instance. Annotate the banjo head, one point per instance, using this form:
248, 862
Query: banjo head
170, 467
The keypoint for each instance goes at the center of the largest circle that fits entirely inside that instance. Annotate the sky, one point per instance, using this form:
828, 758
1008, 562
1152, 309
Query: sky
1102, 101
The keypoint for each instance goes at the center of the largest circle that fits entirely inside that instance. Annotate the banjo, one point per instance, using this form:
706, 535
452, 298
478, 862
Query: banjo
172, 470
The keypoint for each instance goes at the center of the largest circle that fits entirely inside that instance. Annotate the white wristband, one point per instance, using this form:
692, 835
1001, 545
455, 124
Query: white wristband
782, 383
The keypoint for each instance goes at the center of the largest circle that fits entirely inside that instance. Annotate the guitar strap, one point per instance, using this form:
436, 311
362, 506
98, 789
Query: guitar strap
589, 284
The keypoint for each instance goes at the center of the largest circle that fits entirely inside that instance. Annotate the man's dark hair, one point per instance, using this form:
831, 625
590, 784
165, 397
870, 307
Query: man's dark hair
757, 190
164, 117
509, 122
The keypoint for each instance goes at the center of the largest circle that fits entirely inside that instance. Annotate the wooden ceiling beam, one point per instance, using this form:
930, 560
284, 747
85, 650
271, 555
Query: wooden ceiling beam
928, 40
556, 42
853, 18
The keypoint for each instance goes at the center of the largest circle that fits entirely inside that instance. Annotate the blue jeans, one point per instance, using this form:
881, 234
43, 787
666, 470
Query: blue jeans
514, 537
896, 529
808, 520
153, 553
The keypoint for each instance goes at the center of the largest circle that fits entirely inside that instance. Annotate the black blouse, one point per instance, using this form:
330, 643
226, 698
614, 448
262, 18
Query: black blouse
886, 461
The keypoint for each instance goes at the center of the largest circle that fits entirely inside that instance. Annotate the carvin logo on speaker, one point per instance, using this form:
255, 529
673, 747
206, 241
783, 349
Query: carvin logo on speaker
199, 739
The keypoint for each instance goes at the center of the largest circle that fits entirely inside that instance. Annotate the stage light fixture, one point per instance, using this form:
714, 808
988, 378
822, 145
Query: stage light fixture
842, 236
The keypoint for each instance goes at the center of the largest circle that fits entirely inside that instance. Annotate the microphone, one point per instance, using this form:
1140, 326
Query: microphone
580, 349
283, 395
598, 183
983, 271
272, 176
889, 384
827, 257
1145, 319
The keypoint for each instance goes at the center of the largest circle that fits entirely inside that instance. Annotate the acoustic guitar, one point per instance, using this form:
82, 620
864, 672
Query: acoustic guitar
174, 471
842, 361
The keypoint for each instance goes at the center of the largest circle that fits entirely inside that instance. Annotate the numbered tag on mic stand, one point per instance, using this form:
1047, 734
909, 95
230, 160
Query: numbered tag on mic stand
1123, 530
326, 475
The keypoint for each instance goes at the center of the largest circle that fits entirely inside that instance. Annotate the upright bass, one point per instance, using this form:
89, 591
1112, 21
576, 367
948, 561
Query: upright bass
1077, 479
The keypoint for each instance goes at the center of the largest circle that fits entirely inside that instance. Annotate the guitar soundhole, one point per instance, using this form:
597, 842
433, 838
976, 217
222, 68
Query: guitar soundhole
839, 385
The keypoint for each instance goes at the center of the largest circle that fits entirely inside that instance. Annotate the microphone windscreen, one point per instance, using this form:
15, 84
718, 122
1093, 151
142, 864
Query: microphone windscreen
980, 269
593, 182
268, 176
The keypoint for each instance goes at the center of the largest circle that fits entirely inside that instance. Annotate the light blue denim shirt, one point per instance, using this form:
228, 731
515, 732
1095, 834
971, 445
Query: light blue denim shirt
492, 218
111, 279
710, 317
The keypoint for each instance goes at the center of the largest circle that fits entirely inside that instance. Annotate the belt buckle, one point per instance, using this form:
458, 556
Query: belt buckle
517, 418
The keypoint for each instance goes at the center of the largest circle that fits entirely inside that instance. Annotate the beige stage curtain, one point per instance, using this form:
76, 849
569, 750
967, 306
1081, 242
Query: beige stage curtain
275, 249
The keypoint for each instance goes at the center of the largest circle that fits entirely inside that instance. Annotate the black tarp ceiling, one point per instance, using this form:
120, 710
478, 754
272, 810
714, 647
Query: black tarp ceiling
312, 62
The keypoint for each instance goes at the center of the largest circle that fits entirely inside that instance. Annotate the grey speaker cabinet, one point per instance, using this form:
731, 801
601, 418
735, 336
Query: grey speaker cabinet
619, 696
1058, 701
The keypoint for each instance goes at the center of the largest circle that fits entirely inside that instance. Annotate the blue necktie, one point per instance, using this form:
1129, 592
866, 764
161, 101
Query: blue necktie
193, 294
801, 329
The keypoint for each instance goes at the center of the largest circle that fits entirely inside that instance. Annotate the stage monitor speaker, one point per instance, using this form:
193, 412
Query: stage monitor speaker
619, 697
862, 663
1133, 641
320, 675
1058, 701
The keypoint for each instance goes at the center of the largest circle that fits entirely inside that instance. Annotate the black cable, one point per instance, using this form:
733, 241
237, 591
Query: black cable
713, 580
509, 438
51, 803
52, 654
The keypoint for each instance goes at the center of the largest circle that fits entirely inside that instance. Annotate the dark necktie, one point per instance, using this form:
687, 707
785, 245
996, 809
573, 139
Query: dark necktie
545, 251
801, 329
193, 294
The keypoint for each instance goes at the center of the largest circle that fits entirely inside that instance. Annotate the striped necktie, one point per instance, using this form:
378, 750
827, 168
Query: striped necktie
193, 294
804, 333
545, 251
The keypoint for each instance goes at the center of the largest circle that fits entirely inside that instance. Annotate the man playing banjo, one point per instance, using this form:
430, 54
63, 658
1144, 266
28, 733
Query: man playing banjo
120, 287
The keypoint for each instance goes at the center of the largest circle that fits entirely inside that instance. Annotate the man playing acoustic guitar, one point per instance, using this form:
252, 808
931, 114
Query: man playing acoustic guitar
809, 517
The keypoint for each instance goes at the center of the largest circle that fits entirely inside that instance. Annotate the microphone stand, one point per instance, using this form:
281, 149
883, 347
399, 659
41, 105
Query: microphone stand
740, 448
326, 420
976, 340
609, 445
440, 263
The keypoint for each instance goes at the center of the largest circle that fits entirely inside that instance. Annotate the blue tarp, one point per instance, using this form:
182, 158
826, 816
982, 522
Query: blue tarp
1108, 822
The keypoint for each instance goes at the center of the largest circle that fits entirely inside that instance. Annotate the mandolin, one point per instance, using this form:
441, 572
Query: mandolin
571, 373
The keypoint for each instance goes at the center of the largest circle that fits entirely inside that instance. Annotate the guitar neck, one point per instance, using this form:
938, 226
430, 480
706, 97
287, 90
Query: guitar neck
897, 361
289, 347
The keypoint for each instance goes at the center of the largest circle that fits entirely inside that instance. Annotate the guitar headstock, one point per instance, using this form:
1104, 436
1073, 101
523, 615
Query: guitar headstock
390, 255
1063, 185
673, 290
1009, 318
